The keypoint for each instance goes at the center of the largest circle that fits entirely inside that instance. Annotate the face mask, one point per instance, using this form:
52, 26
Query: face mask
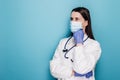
75, 26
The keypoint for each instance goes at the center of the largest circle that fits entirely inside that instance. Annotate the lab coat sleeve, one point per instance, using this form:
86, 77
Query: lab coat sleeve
86, 59
58, 67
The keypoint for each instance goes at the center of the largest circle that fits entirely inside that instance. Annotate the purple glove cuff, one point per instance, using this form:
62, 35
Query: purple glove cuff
78, 36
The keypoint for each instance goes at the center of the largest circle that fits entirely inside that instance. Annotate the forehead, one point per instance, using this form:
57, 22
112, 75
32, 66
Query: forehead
76, 14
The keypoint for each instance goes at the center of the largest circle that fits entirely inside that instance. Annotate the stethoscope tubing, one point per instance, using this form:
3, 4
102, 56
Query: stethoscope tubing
67, 50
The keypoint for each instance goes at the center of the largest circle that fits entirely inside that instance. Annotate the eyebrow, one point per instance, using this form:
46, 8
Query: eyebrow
75, 17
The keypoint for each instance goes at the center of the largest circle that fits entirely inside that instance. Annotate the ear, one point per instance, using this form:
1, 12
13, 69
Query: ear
86, 23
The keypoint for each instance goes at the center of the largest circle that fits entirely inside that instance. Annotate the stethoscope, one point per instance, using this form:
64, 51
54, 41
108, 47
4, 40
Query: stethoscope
67, 50
87, 75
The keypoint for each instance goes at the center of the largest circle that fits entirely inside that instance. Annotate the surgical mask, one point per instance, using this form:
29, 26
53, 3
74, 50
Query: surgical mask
75, 26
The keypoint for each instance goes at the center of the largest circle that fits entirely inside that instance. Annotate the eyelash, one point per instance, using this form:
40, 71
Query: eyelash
76, 19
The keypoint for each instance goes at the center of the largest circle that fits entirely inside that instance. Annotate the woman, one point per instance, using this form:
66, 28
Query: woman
75, 57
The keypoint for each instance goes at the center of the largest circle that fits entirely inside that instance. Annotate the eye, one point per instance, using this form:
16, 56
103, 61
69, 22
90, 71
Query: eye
71, 18
76, 19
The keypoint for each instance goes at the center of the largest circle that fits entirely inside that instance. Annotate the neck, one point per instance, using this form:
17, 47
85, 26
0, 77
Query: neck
84, 31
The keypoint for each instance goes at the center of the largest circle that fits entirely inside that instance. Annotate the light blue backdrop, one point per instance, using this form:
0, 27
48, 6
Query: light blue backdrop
31, 29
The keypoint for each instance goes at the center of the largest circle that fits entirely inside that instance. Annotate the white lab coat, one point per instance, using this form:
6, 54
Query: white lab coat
85, 58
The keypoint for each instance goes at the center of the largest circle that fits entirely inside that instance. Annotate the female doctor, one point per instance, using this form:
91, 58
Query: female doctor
75, 57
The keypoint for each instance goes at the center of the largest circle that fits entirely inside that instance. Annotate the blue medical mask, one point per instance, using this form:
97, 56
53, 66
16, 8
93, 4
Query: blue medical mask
75, 26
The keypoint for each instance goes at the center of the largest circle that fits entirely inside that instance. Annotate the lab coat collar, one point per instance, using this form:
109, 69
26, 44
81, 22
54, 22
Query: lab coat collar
85, 37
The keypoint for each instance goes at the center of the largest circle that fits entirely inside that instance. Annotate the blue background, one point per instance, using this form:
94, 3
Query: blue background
31, 29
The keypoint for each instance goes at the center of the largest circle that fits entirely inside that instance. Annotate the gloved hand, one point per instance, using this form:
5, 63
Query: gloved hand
78, 75
87, 75
78, 36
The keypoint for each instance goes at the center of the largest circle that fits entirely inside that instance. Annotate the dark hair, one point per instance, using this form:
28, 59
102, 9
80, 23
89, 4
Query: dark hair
86, 15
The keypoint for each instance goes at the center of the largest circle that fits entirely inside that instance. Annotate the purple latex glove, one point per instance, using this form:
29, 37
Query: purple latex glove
78, 36
87, 75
